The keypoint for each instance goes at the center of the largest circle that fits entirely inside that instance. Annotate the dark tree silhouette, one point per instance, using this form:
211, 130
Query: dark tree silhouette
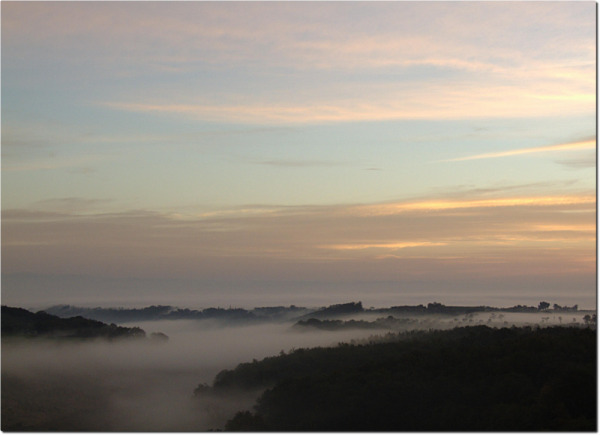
465, 379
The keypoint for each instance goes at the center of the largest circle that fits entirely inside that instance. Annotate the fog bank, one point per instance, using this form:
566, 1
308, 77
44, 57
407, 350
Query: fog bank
138, 386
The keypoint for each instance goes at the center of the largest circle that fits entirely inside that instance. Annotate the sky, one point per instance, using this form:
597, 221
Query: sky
248, 154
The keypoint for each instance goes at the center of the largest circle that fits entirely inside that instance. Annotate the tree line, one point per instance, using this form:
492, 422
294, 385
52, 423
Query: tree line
465, 379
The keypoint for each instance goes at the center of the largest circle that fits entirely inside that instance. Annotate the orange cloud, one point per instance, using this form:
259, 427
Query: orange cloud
438, 205
390, 245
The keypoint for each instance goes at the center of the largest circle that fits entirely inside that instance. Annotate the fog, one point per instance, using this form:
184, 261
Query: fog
148, 386
142, 386
495, 319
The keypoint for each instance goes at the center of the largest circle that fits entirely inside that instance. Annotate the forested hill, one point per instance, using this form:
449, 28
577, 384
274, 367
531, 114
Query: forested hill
465, 379
241, 316
234, 316
18, 322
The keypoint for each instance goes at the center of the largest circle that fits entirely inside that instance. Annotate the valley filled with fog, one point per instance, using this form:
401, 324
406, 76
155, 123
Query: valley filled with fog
146, 385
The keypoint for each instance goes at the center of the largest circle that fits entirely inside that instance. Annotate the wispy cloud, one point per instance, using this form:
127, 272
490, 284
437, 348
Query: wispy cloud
571, 146
269, 113
522, 236
387, 245
81, 163
72, 205
441, 204
327, 35
392, 101
413, 64
580, 163
299, 163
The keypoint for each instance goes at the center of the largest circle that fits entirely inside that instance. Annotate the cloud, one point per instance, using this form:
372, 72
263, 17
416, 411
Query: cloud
390, 101
501, 190
281, 253
71, 205
268, 113
292, 243
442, 204
310, 35
579, 163
356, 71
300, 63
78, 164
24, 215
387, 245
570, 146
299, 163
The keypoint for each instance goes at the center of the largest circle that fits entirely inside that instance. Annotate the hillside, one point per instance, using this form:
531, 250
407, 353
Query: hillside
18, 322
465, 379
259, 315
232, 316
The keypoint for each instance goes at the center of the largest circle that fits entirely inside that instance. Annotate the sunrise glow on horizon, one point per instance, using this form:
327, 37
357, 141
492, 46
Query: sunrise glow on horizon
276, 153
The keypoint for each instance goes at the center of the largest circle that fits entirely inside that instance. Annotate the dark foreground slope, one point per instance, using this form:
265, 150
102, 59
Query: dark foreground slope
466, 379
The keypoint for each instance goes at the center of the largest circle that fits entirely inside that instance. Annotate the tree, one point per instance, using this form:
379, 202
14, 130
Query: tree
465, 379
543, 306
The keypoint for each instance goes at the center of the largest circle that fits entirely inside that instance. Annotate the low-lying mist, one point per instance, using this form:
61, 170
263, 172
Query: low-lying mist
141, 385
138, 385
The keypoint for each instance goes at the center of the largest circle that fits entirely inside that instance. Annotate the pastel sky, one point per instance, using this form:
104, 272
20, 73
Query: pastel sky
248, 154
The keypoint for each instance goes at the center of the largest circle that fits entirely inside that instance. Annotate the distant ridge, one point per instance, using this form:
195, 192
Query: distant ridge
338, 310
278, 313
167, 312
18, 322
